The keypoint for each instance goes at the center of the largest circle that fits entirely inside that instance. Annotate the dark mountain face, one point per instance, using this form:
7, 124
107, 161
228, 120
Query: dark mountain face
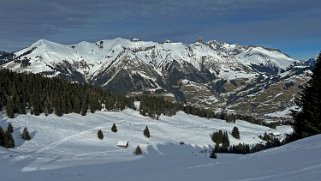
311, 62
5, 57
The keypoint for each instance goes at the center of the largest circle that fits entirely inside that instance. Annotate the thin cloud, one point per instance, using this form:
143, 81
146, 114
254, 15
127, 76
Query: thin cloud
272, 21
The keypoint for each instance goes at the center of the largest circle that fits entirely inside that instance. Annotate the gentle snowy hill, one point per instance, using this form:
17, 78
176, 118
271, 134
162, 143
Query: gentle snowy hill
67, 148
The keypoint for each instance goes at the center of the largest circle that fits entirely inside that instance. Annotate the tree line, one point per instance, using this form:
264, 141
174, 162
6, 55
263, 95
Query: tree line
222, 143
228, 117
22, 92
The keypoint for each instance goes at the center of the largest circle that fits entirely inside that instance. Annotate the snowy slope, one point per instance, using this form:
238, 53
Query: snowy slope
67, 148
260, 55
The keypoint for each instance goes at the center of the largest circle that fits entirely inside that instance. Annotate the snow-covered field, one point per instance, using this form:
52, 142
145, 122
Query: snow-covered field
67, 148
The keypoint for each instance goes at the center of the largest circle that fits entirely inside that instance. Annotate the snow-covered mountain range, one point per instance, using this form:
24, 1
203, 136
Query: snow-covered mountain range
210, 74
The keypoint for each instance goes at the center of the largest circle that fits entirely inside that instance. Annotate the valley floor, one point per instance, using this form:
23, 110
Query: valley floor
67, 148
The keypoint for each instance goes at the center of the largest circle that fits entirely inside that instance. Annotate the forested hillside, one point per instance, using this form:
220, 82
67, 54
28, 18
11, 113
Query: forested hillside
22, 92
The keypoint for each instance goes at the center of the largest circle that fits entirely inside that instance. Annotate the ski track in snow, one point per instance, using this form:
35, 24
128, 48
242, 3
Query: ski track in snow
62, 141
67, 148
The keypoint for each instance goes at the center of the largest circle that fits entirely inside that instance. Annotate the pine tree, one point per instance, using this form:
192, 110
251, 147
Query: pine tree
84, 108
57, 106
76, 105
2, 136
20, 105
69, 105
138, 151
217, 137
8, 141
146, 132
10, 128
35, 105
25, 135
10, 108
308, 119
236, 133
213, 154
100, 134
114, 128
225, 141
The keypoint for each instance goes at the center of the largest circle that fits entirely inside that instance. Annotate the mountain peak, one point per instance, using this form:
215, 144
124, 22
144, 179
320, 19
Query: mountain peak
42, 42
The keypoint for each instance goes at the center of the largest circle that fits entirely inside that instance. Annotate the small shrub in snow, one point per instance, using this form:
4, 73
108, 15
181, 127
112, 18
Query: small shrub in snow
138, 151
114, 128
100, 134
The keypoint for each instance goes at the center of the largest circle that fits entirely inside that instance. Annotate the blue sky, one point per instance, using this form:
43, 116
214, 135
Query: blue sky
293, 26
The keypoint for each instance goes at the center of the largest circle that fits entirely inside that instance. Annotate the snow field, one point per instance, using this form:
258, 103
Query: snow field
74, 136
67, 148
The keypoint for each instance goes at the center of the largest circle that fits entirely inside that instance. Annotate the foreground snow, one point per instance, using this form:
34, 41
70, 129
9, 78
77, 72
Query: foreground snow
67, 148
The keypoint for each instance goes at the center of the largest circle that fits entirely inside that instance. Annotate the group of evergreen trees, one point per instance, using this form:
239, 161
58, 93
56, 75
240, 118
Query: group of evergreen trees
228, 117
221, 140
246, 148
100, 134
222, 143
308, 119
22, 92
6, 137
153, 106
267, 137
